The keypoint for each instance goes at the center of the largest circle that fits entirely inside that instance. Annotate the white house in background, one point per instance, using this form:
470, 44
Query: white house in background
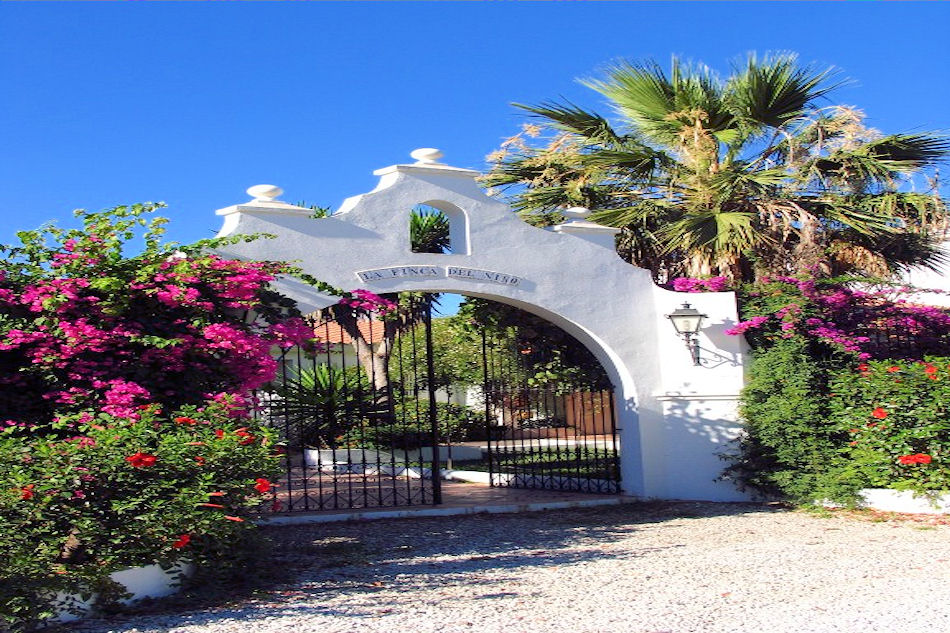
927, 279
674, 417
340, 347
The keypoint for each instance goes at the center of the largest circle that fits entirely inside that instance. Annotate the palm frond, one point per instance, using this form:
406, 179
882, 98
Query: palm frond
908, 152
428, 230
570, 118
660, 106
776, 90
714, 233
639, 213
633, 165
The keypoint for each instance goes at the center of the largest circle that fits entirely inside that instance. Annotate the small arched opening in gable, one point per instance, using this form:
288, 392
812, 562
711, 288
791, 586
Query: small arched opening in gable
436, 226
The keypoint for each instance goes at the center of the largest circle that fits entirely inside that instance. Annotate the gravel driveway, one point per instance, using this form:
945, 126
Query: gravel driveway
636, 568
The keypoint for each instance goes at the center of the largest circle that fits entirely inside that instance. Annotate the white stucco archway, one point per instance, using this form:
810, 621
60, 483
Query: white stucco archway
673, 417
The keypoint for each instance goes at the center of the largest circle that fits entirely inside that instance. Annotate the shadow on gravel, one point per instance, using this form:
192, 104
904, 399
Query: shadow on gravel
310, 564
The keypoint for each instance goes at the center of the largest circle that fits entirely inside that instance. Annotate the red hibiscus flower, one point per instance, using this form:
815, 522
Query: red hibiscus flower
186, 420
262, 485
141, 460
916, 458
879, 413
218, 433
211, 505
183, 540
930, 369
230, 518
200, 460
26, 492
893, 369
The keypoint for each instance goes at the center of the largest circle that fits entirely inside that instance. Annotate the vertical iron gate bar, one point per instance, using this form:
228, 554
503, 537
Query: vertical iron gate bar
287, 436
358, 414
433, 412
615, 475
488, 409
402, 422
416, 405
364, 484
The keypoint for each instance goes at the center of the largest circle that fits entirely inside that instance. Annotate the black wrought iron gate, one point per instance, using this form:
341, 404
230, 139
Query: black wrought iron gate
377, 407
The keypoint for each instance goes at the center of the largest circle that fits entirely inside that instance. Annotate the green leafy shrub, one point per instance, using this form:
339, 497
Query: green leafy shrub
115, 493
411, 429
789, 441
896, 417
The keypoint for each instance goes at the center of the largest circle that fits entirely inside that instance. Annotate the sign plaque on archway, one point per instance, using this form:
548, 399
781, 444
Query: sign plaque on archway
674, 418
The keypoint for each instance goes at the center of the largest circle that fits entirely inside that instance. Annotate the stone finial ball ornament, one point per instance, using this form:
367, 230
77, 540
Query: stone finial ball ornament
264, 193
426, 155
576, 213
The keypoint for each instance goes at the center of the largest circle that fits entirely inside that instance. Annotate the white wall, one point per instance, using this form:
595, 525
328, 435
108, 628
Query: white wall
928, 279
673, 417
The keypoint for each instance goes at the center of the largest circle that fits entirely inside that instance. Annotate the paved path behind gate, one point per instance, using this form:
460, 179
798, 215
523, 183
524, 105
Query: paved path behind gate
464, 498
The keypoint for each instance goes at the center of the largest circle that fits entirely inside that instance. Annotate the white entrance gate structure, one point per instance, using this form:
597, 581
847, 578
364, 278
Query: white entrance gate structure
674, 417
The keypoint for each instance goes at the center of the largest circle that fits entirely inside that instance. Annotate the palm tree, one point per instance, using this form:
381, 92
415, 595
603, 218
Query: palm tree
734, 177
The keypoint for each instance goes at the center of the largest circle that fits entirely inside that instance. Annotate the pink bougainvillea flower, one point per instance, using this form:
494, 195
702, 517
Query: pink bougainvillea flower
879, 413
182, 541
262, 485
141, 460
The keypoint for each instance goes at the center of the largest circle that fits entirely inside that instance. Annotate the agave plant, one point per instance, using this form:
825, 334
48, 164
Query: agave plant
319, 404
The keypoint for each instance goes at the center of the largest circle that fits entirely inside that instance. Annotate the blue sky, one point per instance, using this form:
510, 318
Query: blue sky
191, 103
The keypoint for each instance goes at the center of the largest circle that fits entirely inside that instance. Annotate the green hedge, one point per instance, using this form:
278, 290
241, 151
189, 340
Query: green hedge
823, 429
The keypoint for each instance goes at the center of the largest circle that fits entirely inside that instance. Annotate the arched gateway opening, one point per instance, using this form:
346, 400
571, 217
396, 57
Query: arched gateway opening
671, 417
491, 395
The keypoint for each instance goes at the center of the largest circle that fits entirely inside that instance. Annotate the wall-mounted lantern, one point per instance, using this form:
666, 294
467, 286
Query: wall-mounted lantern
687, 321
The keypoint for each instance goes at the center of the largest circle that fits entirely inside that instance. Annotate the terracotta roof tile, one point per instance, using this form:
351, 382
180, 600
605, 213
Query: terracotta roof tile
331, 332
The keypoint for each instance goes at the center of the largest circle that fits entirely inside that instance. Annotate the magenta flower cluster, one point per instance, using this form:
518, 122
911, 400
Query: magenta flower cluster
82, 327
858, 321
697, 284
368, 301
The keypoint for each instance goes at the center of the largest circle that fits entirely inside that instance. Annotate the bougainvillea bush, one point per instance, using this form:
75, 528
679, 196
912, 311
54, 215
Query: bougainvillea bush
126, 366
818, 349
85, 323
